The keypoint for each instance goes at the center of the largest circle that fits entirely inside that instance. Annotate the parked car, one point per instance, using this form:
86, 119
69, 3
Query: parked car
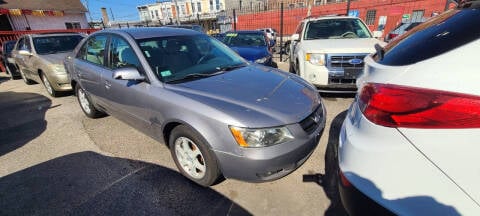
409, 144
7, 59
185, 26
402, 29
39, 58
271, 33
220, 115
328, 51
253, 46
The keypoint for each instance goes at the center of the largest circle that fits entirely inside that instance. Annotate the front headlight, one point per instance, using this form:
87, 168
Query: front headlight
262, 137
262, 60
315, 58
57, 68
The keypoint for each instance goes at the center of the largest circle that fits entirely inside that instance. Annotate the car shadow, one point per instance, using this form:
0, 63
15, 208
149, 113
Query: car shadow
337, 95
23, 119
88, 183
4, 79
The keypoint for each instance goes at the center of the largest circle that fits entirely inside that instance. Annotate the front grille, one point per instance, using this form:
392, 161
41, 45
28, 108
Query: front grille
343, 61
311, 122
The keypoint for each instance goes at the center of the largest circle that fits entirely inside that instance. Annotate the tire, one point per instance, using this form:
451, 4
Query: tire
24, 78
291, 69
193, 157
48, 86
86, 104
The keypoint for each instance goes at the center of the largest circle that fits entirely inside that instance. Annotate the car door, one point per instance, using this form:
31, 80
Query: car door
20, 59
89, 67
128, 98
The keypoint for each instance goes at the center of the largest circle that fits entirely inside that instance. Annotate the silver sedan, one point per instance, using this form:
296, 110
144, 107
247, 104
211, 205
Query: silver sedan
221, 116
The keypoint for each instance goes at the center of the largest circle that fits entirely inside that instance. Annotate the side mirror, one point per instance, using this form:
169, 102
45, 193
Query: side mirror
128, 73
295, 37
24, 52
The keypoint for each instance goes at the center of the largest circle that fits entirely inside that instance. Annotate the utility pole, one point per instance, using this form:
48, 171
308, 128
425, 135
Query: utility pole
178, 11
113, 18
309, 6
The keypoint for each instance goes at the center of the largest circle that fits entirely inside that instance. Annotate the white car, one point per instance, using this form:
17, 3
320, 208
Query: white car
271, 33
410, 144
328, 51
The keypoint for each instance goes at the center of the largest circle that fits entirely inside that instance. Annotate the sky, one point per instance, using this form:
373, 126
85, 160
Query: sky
123, 10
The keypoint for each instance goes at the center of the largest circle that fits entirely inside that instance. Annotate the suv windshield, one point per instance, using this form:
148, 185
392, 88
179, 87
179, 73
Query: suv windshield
180, 58
244, 39
336, 29
54, 44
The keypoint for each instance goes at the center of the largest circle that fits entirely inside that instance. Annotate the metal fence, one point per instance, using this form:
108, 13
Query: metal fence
379, 15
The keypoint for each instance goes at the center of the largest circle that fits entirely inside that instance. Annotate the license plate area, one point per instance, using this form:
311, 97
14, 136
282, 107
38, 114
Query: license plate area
351, 73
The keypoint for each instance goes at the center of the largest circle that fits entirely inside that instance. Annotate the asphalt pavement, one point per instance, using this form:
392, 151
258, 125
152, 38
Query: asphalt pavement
56, 161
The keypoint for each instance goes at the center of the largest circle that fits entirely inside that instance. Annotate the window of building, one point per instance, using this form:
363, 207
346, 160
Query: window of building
211, 5
73, 25
417, 15
156, 13
182, 10
371, 17
217, 4
153, 15
199, 7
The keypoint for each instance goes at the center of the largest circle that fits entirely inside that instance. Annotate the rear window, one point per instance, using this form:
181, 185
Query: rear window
434, 37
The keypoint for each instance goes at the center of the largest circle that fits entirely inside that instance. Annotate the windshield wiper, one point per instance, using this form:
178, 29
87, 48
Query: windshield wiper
230, 67
196, 76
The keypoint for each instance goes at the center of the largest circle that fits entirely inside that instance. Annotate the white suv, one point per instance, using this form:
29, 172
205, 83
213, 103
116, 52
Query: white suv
329, 51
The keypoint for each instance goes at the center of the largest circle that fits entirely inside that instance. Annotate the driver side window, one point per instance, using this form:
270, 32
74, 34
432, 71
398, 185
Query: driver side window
122, 54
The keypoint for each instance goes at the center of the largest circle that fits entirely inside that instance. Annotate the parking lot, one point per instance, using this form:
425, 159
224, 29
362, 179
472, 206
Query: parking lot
54, 160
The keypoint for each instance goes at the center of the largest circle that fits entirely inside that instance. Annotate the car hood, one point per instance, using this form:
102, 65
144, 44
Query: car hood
355, 45
56, 58
255, 96
251, 53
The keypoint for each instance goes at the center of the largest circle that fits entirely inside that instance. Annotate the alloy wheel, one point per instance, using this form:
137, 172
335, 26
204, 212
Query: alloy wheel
190, 157
82, 97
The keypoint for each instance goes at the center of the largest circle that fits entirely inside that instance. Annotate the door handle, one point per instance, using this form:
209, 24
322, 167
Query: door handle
108, 85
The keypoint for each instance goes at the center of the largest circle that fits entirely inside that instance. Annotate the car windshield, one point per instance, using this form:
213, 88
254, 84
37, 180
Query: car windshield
244, 39
180, 58
336, 29
55, 44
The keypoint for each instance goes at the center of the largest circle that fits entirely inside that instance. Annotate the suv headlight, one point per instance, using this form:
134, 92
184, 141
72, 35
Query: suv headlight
262, 60
260, 137
315, 58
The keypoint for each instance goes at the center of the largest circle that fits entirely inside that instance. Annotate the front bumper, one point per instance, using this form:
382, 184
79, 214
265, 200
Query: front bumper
273, 162
384, 166
328, 81
60, 82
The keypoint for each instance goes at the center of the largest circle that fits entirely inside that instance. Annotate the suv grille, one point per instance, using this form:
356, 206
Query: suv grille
311, 122
346, 61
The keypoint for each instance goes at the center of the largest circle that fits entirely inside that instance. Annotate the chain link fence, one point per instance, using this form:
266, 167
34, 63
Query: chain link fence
381, 16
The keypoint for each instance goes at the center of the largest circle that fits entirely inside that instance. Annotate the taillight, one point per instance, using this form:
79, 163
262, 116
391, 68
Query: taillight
392, 35
400, 106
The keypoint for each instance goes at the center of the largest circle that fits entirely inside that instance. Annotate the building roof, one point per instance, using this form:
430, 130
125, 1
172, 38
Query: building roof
62, 5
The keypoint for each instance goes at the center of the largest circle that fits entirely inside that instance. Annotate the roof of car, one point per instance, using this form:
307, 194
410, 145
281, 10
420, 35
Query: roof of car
150, 32
329, 17
56, 34
247, 32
